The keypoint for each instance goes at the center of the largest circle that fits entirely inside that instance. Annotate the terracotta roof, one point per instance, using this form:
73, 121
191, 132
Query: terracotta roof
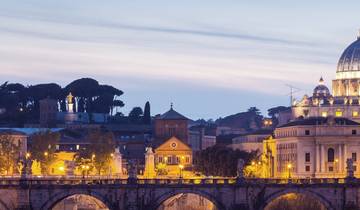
172, 115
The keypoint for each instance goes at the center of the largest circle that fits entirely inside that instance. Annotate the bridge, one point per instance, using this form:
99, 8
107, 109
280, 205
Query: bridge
149, 194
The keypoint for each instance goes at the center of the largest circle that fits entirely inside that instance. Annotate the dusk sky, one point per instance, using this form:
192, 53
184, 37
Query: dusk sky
210, 58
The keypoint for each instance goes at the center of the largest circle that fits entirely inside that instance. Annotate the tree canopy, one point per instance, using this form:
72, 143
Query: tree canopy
20, 104
220, 161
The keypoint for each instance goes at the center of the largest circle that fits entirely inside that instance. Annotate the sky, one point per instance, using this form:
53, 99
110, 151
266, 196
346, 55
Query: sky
210, 58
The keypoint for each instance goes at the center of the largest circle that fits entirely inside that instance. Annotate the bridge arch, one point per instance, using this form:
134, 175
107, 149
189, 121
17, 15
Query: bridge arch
57, 198
317, 196
165, 196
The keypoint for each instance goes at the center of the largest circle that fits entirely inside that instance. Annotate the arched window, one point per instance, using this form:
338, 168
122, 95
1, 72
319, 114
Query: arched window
331, 155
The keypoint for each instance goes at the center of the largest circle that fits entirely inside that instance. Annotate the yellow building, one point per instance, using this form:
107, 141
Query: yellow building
174, 155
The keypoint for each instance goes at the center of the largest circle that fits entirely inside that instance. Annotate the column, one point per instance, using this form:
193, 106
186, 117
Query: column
340, 159
317, 153
322, 169
344, 157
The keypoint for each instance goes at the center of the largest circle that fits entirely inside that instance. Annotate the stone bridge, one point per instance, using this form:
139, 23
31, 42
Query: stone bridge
142, 194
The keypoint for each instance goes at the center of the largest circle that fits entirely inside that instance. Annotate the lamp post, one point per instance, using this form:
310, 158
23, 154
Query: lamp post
289, 166
181, 167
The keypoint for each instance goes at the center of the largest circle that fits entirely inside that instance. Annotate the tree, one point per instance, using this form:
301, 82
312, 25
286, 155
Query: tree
147, 116
98, 154
9, 154
93, 97
43, 149
220, 161
135, 115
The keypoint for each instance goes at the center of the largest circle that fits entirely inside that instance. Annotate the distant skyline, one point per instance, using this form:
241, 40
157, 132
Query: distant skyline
210, 58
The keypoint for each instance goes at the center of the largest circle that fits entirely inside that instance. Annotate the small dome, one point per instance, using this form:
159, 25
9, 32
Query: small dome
321, 90
350, 59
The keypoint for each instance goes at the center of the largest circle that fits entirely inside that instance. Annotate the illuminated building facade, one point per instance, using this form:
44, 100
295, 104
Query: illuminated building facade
344, 101
175, 155
314, 147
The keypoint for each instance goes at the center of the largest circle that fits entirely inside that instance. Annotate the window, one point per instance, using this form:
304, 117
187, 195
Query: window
177, 159
331, 155
160, 159
307, 168
307, 132
187, 159
324, 114
355, 114
172, 131
307, 157
331, 168
353, 132
169, 160
338, 114
77, 147
353, 156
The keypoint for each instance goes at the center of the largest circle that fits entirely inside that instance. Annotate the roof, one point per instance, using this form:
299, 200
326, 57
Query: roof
172, 115
11, 132
350, 58
30, 131
321, 121
173, 143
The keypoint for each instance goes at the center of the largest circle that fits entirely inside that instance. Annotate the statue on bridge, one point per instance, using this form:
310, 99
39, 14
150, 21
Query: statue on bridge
149, 163
240, 168
349, 168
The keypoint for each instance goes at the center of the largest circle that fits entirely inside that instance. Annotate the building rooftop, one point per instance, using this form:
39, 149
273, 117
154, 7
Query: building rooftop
320, 121
172, 115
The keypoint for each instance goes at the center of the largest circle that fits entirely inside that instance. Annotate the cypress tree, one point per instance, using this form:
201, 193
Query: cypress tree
147, 117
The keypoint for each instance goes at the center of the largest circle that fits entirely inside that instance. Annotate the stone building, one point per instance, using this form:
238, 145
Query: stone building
344, 100
48, 112
171, 124
314, 147
252, 141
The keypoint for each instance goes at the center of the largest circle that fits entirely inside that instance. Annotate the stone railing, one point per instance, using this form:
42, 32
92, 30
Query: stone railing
16, 181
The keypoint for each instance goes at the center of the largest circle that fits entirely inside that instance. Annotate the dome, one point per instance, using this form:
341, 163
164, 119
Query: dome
321, 90
350, 59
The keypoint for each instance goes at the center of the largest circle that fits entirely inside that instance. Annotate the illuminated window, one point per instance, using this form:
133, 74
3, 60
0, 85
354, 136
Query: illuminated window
77, 147
324, 114
338, 113
355, 114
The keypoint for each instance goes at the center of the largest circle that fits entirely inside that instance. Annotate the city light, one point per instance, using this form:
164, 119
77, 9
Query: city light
61, 168
27, 155
289, 166
46, 153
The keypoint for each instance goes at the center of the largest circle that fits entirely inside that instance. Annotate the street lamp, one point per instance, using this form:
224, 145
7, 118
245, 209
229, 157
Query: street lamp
289, 166
181, 168
46, 154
